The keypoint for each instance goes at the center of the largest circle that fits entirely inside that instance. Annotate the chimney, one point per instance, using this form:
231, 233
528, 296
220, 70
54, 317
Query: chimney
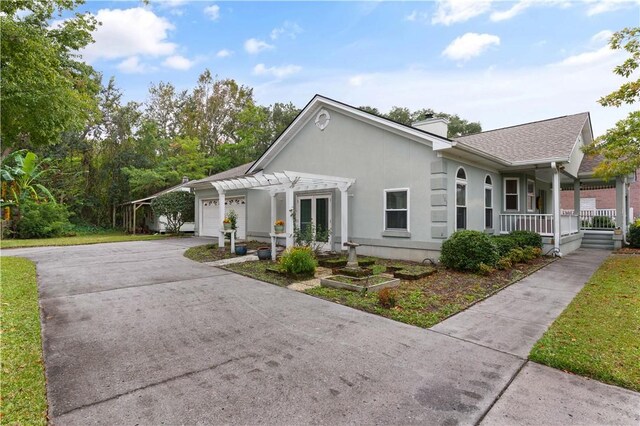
185, 179
436, 125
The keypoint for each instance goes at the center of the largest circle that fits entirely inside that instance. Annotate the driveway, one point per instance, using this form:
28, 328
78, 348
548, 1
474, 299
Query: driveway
134, 333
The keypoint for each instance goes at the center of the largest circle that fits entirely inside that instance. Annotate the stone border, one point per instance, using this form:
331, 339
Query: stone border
328, 282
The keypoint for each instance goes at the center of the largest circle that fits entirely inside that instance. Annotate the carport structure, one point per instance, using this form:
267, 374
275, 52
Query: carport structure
287, 182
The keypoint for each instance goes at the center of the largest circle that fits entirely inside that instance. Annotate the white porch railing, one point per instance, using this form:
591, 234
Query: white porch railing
596, 219
540, 223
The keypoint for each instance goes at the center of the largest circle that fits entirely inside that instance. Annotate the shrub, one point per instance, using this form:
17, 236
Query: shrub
633, 235
516, 255
526, 238
466, 250
484, 269
387, 298
177, 206
531, 253
504, 243
298, 261
504, 263
602, 222
42, 220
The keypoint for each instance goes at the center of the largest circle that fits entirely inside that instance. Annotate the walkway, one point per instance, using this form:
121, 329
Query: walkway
134, 333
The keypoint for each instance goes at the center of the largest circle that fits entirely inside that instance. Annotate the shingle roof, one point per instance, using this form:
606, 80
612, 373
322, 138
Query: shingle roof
589, 162
227, 174
540, 140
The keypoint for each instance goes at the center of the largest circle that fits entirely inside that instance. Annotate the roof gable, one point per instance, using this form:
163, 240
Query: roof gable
540, 141
318, 102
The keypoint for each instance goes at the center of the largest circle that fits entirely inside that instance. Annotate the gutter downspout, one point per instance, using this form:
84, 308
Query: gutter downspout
556, 210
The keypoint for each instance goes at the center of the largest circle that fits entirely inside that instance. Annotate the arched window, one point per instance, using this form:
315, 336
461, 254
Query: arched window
461, 199
488, 203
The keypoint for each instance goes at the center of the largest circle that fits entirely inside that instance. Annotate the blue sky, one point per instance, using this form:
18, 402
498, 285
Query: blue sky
497, 62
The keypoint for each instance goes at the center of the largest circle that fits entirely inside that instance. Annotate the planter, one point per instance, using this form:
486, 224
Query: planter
227, 226
359, 284
279, 229
264, 253
241, 249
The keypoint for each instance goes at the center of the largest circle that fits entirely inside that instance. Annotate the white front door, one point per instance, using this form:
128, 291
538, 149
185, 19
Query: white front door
313, 215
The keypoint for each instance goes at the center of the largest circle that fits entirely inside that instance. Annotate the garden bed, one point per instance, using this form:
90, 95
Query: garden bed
370, 283
211, 252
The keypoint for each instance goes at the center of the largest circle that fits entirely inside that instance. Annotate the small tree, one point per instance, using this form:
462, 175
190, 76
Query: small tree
178, 207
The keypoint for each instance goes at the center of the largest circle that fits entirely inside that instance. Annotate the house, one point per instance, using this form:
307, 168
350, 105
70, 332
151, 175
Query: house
400, 191
146, 220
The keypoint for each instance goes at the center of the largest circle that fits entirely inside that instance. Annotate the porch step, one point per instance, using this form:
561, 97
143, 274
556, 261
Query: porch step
598, 239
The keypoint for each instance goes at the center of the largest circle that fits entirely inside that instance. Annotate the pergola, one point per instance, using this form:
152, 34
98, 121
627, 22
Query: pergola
286, 182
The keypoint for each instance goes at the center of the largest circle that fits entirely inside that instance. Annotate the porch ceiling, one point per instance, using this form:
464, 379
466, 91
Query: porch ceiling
281, 181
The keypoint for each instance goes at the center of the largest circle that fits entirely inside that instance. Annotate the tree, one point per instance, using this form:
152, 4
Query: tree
177, 206
620, 146
44, 89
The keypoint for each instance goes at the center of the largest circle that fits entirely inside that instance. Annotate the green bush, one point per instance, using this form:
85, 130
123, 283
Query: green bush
466, 250
516, 255
42, 220
602, 222
526, 239
504, 243
633, 235
177, 207
485, 269
298, 261
504, 263
531, 253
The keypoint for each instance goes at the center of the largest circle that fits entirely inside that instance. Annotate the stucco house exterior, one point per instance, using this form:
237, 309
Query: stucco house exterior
400, 191
137, 214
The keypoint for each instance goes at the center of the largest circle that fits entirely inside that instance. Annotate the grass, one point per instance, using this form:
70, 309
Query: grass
429, 300
22, 394
102, 237
210, 252
598, 334
258, 270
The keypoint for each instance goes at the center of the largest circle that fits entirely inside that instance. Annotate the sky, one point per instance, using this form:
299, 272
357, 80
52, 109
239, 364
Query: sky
501, 63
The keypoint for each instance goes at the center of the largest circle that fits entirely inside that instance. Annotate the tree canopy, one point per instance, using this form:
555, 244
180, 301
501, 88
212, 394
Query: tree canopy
620, 146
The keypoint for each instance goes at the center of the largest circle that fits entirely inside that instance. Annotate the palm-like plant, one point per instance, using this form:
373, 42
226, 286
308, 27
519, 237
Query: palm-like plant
20, 171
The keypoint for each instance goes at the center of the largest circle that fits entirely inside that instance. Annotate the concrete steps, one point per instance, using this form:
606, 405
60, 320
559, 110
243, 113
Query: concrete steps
597, 240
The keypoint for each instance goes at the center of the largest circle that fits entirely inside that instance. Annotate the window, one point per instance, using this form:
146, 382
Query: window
461, 199
488, 203
531, 195
511, 197
396, 209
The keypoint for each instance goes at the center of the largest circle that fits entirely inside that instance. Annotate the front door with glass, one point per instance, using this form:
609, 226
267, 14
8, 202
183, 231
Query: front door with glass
313, 215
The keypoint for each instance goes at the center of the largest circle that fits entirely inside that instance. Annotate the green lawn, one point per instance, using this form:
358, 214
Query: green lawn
598, 335
105, 237
22, 394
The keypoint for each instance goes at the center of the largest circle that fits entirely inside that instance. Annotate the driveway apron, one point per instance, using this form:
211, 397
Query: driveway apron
134, 333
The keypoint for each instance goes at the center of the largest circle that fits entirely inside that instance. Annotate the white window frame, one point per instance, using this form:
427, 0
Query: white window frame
488, 186
531, 196
408, 209
517, 194
464, 182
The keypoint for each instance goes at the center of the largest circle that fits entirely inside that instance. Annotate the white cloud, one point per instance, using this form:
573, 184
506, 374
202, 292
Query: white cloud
470, 45
597, 7
512, 11
452, 11
357, 80
587, 58
602, 37
253, 46
178, 62
132, 65
224, 53
288, 29
416, 16
129, 32
278, 72
212, 12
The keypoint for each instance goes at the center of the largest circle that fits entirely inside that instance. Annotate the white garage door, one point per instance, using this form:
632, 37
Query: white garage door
210, 226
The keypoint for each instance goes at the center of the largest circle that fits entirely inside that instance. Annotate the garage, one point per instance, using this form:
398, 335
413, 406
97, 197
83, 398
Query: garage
210, 221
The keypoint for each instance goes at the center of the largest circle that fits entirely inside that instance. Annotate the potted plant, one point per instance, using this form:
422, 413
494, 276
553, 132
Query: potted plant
278, 226
241, 249
264, 253
227, 224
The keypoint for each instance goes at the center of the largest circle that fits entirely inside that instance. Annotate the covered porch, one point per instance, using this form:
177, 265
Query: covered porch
291, 184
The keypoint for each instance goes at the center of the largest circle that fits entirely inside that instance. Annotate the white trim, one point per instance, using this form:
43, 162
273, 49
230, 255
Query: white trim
488, 186
504, 193
463, 182
533, 194
384, 211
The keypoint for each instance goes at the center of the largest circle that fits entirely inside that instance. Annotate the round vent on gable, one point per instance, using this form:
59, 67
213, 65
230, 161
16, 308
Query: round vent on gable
322, 119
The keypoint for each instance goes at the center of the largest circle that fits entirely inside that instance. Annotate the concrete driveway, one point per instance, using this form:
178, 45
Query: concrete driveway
134, 333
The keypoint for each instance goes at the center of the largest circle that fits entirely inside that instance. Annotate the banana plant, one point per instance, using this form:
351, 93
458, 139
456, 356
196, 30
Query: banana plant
20, 172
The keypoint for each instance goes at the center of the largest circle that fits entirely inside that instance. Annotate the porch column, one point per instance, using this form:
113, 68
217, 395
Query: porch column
135, 209
344, 217
273, 210
221, 215
621, 214
289, 223
556, 209
576, 200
